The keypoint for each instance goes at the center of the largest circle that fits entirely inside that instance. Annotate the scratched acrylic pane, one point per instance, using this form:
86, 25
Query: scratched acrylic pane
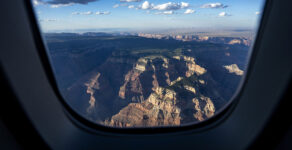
136, 63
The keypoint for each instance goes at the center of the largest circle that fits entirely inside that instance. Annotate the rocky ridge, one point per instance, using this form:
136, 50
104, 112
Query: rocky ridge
161, 107
226, 40
92, 85
233, 68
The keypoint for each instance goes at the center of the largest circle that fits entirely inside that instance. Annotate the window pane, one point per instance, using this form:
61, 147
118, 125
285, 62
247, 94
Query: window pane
135, 63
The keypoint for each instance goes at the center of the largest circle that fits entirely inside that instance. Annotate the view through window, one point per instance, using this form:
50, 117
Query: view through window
148, 63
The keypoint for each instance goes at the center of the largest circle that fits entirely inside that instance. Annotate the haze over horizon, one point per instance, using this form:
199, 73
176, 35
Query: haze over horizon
135, 15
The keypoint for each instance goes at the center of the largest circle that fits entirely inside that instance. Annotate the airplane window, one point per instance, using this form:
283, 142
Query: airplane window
148, 63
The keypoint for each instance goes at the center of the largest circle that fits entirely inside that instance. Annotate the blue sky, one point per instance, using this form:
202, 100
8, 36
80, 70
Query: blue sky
58, 15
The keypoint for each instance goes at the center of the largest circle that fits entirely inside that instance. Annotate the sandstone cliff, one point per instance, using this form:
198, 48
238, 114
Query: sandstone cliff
92, 85
234, 69
157, 110
161, 107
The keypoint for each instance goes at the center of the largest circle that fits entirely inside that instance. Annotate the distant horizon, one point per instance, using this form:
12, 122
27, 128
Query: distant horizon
154, 30
82, 15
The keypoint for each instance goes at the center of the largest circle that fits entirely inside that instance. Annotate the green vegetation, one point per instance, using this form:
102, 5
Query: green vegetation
149, 51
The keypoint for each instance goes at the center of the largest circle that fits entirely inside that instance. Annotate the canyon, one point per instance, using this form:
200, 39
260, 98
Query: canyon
146, 81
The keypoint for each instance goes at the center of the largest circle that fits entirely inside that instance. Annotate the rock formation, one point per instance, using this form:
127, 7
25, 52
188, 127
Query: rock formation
234, 69
91, 87
159, 109
193, 67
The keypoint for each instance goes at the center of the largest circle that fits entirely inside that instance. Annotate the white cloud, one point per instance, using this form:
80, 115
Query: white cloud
214, 5
102, 13
61, 5
83, 13
189, 11
87, 13
130, 1
257, 13
185, 5
131, 6
37, 2
168, 12
75, 13
120, 5
147, 5
224, 14
165, 13
166, 7
171, 6
116, 6
64, 2
90, 13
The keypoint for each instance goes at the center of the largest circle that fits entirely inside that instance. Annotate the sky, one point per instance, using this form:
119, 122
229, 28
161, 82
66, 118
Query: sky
66, 15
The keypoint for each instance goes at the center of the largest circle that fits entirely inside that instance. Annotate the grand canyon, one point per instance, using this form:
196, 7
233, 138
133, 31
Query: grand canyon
147, 80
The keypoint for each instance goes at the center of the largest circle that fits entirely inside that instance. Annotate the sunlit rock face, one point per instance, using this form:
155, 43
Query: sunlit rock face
191, 89
235, 41
92, 85
203, 112
234, 69
160, 107
193, 67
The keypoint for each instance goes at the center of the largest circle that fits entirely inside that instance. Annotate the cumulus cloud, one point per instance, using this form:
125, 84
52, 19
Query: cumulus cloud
83, 13
75, 13
185, 5
130, 1
214, 5
189, 11
171, 6
147, 5
102, 13
61, 3
257, 13
64, 2
120, 5
224, 14
91, 13
165, 7
131, 6
165, 13
116, 6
